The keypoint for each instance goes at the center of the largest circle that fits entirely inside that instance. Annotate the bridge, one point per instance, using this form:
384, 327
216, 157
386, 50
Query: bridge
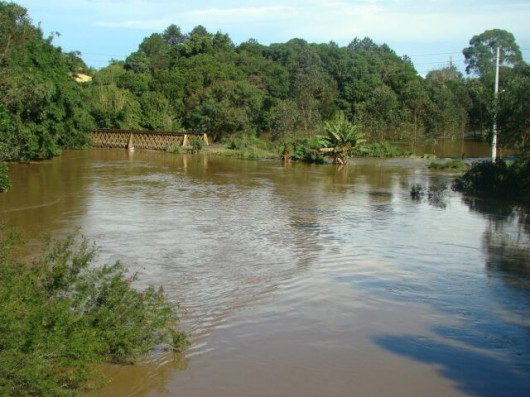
153, 140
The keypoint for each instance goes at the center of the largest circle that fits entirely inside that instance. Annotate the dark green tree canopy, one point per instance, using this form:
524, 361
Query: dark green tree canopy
480, 56
202, 81
173, 35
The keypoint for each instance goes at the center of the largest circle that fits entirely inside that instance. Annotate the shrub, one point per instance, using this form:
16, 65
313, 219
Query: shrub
305, 149
196, 145
174, 149
4, 178
383, 149
61, 317
452, 165
499, 179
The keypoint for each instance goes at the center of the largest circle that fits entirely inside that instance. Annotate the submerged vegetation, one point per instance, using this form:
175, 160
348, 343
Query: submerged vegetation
62, 316
383, 149
502, 179
4, 178
450, 165
342, 139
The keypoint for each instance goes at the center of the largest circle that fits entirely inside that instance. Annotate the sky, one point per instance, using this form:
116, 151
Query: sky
432, 33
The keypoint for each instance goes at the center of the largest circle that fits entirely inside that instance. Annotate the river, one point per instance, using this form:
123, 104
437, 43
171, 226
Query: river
300, 280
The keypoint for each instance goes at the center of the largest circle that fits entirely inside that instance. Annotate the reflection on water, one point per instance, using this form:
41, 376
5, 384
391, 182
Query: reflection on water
506, 240
494, 319
301, 280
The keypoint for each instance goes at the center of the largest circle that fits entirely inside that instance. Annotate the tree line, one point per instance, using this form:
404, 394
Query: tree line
202, 81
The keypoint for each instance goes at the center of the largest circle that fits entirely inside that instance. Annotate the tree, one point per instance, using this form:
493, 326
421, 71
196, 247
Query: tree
199, 41
514, 112
156, 49
379, 113
155, 111
415, 99
342, 139
284, 120
480, 56
225, 108
450, 103
42, 108
173, 36
15, 29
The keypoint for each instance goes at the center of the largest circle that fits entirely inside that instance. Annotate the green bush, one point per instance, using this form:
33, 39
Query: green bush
451, 165
500, 179
196, 144
174, 149
61, 317
242, 142
4, 178
250, 147
383, 149
305, 149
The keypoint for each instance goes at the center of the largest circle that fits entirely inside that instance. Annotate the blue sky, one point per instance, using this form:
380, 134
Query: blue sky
431, 32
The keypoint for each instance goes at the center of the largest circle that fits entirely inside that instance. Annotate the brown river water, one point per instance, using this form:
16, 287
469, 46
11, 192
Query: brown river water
300, 280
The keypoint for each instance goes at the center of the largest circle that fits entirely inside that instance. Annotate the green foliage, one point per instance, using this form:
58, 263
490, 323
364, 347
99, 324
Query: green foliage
500, 179
202, 82
250, 147
42, 108
284, 120
62, 316
384, 149
514, 112
342, 139
482, 51
448, 111
156, 111
174, 149
305, 149
5, 184
195, 144
225, 108
451, 165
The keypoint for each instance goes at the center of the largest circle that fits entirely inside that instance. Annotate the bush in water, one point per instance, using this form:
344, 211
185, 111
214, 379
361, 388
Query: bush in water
61, 317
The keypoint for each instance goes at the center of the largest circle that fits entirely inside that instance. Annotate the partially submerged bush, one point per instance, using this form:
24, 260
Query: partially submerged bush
4, 178
250, 147
305, 149
61, 317
451, 165
500, 179
196, 145
384, 149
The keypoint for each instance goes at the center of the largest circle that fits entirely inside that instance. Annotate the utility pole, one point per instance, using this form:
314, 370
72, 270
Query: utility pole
495, 105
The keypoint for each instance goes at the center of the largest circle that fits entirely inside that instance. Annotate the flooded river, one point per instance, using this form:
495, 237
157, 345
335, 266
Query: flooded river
300, 280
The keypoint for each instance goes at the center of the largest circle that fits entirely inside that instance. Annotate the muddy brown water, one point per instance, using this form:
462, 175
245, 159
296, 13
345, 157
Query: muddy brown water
300, 280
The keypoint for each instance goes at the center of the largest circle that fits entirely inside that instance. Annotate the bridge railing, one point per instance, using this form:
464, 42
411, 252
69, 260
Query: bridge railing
153, 140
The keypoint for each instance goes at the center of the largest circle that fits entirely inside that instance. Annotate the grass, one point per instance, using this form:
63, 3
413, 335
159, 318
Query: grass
451, 165
384, 149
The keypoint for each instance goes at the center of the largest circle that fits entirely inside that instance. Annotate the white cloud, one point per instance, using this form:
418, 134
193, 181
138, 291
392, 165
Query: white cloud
431, 24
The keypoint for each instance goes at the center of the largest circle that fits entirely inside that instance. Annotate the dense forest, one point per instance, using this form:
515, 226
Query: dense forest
202, 81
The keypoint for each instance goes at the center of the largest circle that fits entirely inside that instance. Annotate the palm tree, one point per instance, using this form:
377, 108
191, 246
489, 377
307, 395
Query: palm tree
342, 139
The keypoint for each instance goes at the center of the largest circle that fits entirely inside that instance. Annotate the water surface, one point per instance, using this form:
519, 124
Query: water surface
301, 280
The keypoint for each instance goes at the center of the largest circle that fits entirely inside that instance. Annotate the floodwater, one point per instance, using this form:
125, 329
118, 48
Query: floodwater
300, 280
